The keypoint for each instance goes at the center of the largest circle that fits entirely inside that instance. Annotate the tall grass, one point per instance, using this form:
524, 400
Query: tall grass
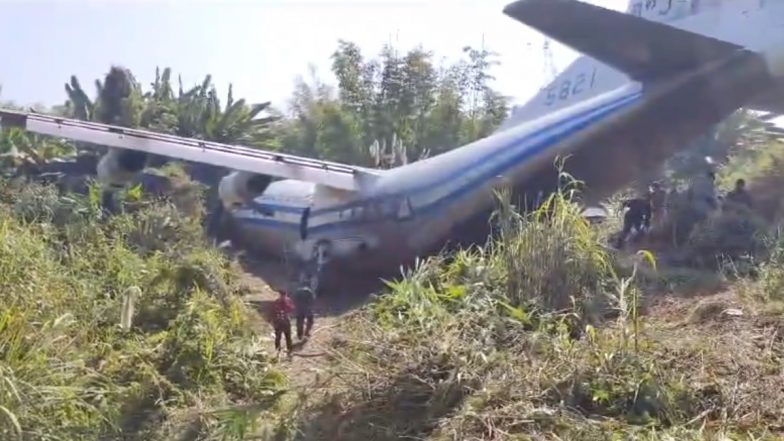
121, 328
514, 341
552, 256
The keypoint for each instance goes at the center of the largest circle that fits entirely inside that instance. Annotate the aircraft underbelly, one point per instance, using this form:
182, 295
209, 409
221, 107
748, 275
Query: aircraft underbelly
270, 241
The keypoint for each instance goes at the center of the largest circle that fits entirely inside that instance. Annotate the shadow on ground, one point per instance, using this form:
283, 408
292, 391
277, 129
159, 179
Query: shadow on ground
407, 406
345, 295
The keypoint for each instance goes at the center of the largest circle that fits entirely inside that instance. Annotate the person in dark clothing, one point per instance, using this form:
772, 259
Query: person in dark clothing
304, 299
637, 217
282, 307
739, 196
658, 198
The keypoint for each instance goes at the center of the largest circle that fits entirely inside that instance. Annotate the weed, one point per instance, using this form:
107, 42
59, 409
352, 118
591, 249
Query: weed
123, 328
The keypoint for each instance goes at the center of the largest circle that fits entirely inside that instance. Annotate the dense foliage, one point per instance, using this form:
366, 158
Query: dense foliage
430, 108
123, 328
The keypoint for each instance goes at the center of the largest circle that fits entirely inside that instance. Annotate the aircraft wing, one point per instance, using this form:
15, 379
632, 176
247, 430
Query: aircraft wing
239, 158
641, 48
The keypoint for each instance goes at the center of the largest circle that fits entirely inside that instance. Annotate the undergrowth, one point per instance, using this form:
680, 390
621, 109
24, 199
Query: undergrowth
125, 327
130, 327
537, 336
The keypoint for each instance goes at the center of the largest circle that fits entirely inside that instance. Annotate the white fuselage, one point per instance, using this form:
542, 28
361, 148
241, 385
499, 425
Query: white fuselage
416, 209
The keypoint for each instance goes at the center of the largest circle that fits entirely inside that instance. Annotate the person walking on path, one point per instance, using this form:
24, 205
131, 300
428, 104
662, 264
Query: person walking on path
282, 307
304, 300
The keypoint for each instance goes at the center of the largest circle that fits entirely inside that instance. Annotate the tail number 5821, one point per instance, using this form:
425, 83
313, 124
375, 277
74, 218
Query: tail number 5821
563, 90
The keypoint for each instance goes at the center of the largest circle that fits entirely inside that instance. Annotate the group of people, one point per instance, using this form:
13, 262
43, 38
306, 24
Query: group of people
702, 198
302, 307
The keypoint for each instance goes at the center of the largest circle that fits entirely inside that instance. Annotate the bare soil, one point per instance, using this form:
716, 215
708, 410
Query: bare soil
263, 278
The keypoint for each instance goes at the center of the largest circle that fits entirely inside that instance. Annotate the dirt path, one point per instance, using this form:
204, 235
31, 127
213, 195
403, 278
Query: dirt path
310, 357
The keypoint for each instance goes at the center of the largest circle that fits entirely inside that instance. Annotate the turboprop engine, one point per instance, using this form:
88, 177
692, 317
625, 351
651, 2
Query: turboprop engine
120, 166
239, 188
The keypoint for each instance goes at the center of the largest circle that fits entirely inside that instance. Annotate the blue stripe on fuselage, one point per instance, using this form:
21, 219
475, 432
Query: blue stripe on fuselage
518, 155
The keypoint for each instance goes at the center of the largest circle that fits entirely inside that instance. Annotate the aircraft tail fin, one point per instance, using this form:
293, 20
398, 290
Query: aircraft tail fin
640, 48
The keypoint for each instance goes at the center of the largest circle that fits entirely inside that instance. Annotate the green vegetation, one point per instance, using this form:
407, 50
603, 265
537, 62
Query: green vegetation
396, 98
133, 327
122, 328
540, 336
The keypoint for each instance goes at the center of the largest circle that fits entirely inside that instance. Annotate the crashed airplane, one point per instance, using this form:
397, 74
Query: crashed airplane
650, 81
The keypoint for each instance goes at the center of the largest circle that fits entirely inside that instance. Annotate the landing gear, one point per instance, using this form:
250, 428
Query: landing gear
311, 271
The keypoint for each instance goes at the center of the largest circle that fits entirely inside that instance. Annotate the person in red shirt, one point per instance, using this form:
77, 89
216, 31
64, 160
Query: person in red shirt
282, 307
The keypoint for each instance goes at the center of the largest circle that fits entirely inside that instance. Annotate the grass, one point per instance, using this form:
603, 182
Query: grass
131, 327
538, 336
124, 328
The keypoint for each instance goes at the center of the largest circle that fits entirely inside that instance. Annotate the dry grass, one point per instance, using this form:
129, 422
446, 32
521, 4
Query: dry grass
537, 338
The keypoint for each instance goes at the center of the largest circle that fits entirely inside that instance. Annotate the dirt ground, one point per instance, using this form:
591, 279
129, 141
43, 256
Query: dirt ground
262, 277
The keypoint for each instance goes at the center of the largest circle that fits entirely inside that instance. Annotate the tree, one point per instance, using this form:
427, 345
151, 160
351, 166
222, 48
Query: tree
396, 96
740, 131
22, 149
197, 113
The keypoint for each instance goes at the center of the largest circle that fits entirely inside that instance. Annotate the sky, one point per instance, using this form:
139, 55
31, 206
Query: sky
260, 46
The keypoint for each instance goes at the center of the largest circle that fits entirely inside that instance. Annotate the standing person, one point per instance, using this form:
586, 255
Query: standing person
281, 308
304, 300
740, 196
637, 217
702, 195
658, 199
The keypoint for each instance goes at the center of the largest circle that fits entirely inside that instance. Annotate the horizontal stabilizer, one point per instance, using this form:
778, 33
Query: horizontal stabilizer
640, 48
279, 165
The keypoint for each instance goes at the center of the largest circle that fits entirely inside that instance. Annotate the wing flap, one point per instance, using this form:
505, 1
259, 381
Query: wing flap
640, 48
240, 158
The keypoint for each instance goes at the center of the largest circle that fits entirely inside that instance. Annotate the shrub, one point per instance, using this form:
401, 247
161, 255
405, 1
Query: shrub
184, 350
492, 343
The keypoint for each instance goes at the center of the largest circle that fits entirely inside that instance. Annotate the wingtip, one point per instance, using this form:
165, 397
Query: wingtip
518, 9
511, 8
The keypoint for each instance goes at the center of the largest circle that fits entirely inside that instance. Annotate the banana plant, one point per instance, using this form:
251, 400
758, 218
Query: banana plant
18, 148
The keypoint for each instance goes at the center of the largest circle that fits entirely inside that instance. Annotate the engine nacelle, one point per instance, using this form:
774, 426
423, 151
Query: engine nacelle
239, 188
120, 166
